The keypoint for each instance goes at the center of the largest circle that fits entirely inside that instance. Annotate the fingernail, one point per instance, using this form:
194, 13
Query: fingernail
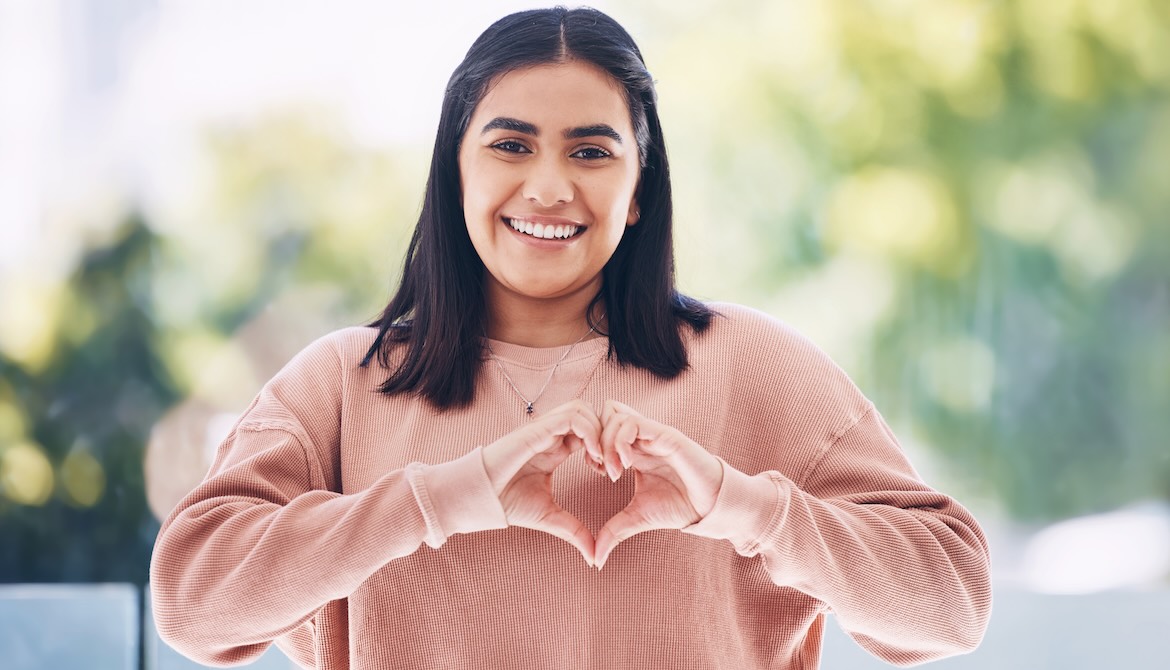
625, 463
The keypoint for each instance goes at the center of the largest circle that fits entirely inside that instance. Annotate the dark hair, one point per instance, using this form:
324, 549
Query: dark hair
439, 309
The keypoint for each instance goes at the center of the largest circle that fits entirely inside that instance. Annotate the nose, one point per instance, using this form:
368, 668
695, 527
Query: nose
548, 184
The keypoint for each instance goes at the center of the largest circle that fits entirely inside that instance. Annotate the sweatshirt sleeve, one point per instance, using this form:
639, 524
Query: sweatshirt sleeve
825, 497
263, 543
904, 568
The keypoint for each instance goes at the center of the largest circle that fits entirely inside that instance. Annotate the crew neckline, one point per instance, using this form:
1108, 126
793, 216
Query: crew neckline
545, 357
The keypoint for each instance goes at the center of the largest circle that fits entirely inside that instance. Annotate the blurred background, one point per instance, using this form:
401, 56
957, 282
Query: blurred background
963, 201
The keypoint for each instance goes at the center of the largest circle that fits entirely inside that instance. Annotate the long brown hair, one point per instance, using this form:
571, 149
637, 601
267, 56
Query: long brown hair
439, 309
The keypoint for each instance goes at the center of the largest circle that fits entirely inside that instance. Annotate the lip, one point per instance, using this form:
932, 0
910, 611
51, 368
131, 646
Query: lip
543, 242
545, 219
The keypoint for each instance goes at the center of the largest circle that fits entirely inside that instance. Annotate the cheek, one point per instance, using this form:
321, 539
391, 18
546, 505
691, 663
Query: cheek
611, 196
485, 192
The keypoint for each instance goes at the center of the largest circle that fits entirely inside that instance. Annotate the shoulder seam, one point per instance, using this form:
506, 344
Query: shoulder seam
316, 473
815, 461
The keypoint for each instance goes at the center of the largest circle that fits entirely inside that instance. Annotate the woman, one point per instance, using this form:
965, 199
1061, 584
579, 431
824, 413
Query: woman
537, 336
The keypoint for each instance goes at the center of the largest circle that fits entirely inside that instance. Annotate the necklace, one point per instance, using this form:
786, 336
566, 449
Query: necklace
528, 409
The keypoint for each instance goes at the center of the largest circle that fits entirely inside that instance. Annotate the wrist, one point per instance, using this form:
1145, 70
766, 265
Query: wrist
744, 507
711, 478
458, 497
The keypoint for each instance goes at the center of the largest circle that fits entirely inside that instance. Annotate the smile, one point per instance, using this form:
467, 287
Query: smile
544, 231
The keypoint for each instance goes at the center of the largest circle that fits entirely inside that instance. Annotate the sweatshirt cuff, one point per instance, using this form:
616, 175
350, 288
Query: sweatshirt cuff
744, 507
457, 497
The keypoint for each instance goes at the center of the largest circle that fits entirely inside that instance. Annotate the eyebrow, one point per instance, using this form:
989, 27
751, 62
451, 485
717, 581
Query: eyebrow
518, 126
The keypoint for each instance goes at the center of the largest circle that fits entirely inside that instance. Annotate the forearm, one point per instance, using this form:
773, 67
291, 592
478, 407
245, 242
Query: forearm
904, 568
907, 578
235, 568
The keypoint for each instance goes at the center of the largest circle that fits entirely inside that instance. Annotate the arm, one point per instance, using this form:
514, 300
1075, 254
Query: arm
262, 544
904, 568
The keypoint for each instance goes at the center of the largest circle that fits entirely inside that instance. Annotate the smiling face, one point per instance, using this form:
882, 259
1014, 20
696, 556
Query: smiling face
548, 170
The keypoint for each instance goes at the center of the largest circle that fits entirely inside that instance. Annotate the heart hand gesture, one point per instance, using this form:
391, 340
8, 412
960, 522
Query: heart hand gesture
676, 480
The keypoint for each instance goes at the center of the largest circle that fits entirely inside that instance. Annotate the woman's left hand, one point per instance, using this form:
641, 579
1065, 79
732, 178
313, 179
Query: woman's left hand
675, 479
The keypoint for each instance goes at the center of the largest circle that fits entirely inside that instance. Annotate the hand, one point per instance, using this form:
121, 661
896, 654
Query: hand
676, 480
520, 466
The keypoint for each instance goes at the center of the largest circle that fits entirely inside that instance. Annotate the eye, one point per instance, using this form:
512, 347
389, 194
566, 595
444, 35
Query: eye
591, 153
511, 147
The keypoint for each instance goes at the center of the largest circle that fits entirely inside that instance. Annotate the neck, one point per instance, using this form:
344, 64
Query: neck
540, 322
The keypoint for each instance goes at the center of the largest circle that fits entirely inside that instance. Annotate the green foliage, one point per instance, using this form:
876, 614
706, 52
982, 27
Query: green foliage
995, 166
100, 394
963, 201
292, 221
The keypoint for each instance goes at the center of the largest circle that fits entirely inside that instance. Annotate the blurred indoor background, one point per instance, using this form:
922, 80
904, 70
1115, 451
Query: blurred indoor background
963, 201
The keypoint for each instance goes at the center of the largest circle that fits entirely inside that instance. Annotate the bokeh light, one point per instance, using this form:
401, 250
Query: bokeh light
83, 480
26, 476
963, 202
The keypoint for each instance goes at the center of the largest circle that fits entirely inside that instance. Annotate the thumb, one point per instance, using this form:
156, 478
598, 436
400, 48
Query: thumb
569, 528
621, 526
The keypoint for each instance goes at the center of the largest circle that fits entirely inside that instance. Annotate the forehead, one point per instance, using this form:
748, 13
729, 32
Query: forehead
558, 95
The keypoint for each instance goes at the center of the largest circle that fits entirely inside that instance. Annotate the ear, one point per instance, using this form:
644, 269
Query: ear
635, 212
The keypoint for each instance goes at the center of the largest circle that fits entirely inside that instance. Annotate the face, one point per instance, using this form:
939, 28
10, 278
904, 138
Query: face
549, 169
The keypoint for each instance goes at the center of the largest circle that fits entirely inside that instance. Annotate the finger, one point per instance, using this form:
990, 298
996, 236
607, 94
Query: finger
653, 438
569, 528
648, 429
609, 436
608, 412
595, 466
514, 451
623, 408
619, 528
627, 436
552, 429
586, 433
587, 427
573, 442
609, 423
625, 453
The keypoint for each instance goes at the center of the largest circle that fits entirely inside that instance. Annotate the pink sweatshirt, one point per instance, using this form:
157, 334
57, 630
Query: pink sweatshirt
357, 530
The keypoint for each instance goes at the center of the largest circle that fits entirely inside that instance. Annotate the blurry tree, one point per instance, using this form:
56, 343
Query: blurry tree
975, 191
72, 506
963, 200
292, 216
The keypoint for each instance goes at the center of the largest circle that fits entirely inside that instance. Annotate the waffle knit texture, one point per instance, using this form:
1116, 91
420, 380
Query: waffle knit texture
357, 530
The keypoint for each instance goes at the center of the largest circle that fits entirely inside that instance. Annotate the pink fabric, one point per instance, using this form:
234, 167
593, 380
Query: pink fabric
360, 531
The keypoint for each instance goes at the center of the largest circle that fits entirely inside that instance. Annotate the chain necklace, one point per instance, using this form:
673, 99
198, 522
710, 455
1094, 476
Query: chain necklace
528, 409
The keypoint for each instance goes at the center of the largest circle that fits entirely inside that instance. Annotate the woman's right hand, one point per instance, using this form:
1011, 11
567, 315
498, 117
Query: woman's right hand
520, 466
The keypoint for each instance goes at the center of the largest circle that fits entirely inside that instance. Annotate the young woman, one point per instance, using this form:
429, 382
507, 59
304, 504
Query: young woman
537, 341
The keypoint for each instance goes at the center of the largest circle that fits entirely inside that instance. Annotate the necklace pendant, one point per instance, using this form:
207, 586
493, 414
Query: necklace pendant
528, 409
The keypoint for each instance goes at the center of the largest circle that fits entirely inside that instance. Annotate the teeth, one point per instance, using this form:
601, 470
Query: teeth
548, 232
